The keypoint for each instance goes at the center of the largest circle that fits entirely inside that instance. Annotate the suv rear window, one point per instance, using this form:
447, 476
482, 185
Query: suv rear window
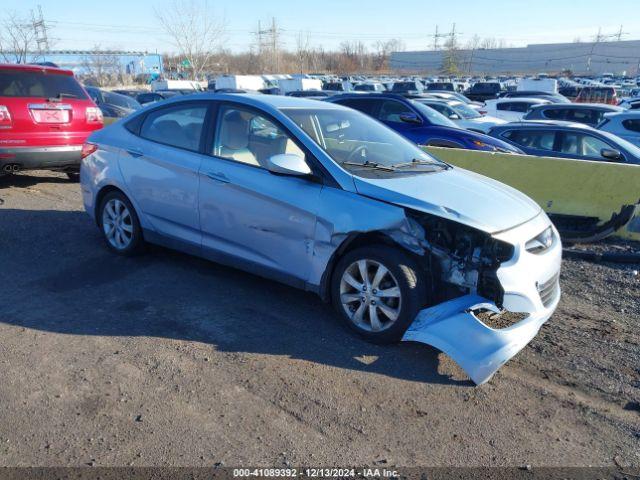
38, 84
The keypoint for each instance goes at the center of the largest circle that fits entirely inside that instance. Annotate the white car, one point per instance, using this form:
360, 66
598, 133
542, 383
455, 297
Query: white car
463, 115
625, 125
511, 109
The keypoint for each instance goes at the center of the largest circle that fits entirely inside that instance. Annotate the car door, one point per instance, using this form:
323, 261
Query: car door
161, 168
584, 146
390, 112
250, 217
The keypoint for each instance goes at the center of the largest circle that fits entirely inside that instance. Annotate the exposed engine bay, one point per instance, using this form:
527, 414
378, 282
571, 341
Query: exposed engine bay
464, 258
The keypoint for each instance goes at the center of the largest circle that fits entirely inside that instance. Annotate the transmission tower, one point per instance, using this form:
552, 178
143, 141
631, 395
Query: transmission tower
40, 30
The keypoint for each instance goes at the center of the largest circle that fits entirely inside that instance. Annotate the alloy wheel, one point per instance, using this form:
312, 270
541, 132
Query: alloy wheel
370, 295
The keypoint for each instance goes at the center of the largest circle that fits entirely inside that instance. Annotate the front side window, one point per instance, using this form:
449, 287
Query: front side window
245, 136
592, 146
179, 127
391, 111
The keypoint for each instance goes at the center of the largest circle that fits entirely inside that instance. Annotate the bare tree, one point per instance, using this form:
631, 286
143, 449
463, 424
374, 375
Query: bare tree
383, 51
194, 30
17, 38
102, 67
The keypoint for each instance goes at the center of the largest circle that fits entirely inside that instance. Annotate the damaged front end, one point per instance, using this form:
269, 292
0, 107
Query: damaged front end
492, 292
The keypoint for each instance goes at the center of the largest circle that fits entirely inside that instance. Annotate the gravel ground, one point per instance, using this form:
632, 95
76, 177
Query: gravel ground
170, 360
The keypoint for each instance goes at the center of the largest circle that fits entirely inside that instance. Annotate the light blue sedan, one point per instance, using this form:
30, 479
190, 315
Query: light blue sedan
329, 200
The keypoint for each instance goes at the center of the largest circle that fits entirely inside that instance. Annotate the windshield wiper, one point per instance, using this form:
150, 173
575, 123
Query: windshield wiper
60, 96
417, 161
373, 165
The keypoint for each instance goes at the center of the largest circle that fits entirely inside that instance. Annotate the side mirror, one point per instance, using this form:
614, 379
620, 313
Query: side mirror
454, 116
610, 154
288, 164
411, 118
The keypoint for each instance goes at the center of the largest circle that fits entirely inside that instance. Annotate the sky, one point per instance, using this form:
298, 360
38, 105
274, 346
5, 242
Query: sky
132, 25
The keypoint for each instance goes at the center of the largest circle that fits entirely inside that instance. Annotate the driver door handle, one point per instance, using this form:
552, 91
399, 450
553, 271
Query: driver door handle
217, 176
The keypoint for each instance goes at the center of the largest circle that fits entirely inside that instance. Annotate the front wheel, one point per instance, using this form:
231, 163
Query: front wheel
378, 291
120, 225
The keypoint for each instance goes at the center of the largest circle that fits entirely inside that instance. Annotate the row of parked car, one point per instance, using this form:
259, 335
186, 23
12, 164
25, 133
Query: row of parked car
537, 123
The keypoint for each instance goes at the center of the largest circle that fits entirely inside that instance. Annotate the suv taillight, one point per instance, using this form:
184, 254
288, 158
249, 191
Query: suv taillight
88, 149
94, 115
5, 117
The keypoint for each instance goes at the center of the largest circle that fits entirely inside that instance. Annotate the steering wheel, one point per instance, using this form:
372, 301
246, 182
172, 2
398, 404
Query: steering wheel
361, 150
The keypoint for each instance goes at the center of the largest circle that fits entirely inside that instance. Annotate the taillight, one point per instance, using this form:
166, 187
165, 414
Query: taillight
94, 115
483, 112
5, 117
88, 149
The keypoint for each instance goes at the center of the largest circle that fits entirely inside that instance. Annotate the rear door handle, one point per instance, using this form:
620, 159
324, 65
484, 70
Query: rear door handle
218, 177
134, 152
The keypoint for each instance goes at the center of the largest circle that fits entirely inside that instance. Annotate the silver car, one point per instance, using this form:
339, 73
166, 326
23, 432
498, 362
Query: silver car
329, 200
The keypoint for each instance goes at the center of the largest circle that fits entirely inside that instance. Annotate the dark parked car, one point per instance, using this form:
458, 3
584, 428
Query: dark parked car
446, 86
589, 114
483, 91
567, 140
128, 93
113, 105
311, 93
151, 97
408, 87
419, 123
552, 97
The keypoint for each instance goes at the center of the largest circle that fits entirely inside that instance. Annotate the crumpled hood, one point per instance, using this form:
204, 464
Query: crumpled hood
455, 194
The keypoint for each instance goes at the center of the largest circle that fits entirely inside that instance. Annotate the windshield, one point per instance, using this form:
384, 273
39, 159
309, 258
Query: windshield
464, 110
434, 117
357, 141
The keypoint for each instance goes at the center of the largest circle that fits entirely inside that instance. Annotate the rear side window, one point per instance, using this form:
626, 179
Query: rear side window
538, 139
588, 116
633, 125
38, 84
179, 126
554, 113
363, 105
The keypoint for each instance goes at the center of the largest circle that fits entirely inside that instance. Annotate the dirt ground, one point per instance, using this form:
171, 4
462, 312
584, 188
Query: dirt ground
169, 360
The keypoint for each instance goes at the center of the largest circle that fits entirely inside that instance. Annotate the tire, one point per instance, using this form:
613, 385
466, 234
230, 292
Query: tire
73, 176
117, 212
404, 277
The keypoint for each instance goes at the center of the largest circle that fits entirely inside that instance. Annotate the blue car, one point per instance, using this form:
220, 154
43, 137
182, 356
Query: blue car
419, 123
567, 140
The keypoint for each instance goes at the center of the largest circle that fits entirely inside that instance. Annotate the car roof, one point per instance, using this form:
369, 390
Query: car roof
546, 124
540, 101
267, 102
34, 68
623, 114
581, 106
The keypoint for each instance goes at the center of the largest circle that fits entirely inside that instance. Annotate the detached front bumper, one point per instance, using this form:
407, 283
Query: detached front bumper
30, 158
531, 287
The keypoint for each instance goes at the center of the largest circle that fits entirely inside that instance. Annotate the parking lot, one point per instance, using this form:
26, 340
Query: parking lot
166, 359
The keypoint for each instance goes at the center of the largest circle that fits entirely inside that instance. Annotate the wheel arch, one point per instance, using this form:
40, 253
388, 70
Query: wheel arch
351, 242
100, 196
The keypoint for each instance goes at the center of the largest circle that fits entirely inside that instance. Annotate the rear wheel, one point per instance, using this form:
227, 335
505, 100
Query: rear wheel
120, 225
378, 291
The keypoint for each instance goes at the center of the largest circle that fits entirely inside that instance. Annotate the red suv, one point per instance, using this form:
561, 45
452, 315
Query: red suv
45, 118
